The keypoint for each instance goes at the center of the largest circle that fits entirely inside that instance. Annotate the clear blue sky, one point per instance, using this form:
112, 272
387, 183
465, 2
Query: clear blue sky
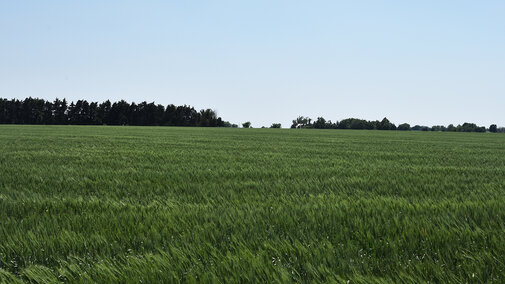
422, 62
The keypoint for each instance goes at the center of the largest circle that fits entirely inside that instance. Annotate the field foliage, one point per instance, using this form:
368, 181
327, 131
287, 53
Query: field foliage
167, 204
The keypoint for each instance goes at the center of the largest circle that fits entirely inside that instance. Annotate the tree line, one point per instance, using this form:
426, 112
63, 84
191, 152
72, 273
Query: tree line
385, 124
40, 111
82, 112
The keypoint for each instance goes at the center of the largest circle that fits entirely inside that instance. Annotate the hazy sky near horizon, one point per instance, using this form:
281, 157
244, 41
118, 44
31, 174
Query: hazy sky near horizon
423, 62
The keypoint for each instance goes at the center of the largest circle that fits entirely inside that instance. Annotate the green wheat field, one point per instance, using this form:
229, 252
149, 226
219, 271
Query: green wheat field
165, 204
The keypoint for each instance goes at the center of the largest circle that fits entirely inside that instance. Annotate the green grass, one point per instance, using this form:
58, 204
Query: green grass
164, 204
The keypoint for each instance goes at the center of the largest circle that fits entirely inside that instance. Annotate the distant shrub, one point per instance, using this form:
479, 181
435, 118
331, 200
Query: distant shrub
404, 126
493, 128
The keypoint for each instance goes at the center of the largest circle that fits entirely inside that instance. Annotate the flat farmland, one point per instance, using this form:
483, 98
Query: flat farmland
167, 204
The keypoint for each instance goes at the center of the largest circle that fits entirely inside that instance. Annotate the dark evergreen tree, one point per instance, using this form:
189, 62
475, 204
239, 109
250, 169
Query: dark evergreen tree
60, 111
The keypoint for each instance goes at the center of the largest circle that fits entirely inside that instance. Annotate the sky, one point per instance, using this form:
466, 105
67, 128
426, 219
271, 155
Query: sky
426, 62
